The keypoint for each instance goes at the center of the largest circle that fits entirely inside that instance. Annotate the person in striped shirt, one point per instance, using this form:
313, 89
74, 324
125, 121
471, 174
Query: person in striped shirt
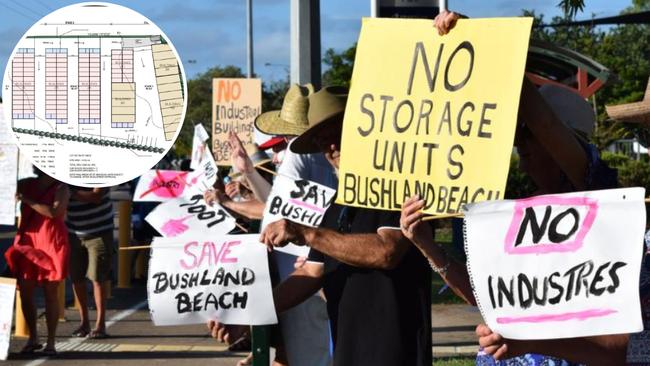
90, 227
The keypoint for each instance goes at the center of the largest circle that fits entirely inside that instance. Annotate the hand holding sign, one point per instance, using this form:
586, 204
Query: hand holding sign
283, 232
445, 21
240, 160
300, 201
413, 228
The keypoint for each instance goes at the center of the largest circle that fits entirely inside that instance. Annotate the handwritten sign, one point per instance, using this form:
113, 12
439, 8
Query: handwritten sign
199, 147
9, 172
301, 201
190, 215
7, 293
163, 185
235, 104
440, 121
196, 278
558, 266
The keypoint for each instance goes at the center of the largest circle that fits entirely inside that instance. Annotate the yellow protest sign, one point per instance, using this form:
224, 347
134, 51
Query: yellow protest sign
235, 104
433, 115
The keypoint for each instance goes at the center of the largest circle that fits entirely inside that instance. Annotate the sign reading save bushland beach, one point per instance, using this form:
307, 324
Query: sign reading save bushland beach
195, 278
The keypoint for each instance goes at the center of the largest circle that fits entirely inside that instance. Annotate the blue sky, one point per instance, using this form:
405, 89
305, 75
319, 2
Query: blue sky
213, 32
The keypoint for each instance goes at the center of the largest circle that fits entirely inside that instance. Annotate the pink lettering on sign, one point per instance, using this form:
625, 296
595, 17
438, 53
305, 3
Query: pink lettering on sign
577, 315
557, 210
307, 205
208, 253
166, 184
174, 227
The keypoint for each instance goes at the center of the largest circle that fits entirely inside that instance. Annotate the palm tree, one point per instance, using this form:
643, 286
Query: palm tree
571, 7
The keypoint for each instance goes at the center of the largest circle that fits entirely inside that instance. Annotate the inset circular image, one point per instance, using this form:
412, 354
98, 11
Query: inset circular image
95, 94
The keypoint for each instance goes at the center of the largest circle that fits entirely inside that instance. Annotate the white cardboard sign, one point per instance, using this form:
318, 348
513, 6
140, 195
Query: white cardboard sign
163, 185
195, 278
558, 266
298, 200
7, 293
199, 147
185, 215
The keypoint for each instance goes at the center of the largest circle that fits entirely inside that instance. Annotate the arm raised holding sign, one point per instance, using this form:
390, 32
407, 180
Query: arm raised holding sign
548, 131
240, 160
383, 250
453, 273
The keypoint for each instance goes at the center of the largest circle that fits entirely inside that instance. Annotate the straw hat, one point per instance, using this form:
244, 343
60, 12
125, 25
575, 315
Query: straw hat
638, 112
291, 120
326, 109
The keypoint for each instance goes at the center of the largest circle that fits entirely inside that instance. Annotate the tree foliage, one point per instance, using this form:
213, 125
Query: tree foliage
339, 71
199, 103
624, 49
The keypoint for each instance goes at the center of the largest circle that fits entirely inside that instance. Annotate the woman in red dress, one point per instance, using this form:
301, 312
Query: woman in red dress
39, 256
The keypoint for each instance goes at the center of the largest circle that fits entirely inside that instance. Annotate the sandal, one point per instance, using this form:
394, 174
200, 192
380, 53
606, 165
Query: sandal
98, 334
81, 332
30, 348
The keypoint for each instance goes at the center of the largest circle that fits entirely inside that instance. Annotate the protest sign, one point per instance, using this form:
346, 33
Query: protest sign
298, 200
162, 185
558, 266
235, 104
185, 215
199, 147
440, 121
9, 171
7, 293
195, 278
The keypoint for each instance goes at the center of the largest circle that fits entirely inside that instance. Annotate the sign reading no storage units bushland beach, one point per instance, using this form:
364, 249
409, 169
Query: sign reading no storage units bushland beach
235, 104
432, 115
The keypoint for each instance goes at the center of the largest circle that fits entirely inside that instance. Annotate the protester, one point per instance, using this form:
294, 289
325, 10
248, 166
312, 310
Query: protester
551, 142
90, 228
39, 255
305, 327
376, 284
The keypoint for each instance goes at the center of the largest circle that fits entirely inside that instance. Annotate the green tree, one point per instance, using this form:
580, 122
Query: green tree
199, 103
339, 71
623, 49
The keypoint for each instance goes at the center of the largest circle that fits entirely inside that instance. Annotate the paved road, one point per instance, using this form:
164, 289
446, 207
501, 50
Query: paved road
134, 340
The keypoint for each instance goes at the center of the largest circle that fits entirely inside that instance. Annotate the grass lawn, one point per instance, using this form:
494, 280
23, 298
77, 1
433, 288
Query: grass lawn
443, 236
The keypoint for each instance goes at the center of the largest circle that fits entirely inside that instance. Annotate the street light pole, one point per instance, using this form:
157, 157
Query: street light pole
305, 42
249, 38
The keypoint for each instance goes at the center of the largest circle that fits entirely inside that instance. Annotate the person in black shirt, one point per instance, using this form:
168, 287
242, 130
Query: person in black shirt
376, 283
